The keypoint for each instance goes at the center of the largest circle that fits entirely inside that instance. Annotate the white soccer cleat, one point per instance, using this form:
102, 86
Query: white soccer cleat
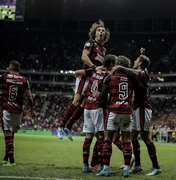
68, 133
135, 169
153, 171
60, 133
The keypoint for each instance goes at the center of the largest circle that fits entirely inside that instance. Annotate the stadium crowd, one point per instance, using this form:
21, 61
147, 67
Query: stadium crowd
52, 51
48, 113
49, 110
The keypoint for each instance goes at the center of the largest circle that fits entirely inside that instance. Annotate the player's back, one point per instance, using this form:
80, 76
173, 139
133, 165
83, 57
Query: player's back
141, 90
95, 84
13, 89
121, 92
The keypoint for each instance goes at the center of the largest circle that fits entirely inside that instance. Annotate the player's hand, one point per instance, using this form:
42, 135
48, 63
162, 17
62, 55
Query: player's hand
95, 94
76, 75
142, 51
29, 112
98, 68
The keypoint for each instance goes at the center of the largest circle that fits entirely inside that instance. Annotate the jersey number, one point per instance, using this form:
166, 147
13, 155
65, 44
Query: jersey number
94, 87
13, 90
123, 90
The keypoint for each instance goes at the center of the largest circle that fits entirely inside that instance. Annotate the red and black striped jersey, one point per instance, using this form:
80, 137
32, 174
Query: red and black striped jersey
141, 95
97, 52
13, 90
120, 89
95, 84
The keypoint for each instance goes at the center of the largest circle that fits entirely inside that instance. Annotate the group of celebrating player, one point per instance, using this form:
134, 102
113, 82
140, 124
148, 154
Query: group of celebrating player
114, 99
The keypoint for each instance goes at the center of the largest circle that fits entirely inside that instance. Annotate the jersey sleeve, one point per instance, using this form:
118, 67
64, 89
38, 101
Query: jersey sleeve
105, 89
106, 81
88, 45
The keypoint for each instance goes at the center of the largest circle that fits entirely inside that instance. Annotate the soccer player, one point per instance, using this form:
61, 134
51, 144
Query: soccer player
94, 112
14, 88
142, 113
120, 88
92, 56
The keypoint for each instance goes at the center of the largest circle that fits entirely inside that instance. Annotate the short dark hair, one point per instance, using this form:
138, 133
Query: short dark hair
123, 61
15, 65
145, 61
109, 59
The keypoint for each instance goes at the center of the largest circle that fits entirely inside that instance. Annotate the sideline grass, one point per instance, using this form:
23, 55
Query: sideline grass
50, 157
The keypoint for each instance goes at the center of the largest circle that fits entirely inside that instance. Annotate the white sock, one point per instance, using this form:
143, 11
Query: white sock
126, 167
105, 166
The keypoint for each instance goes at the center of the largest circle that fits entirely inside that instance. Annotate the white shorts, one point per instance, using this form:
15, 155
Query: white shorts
11, 122
81, 85
142, 119
122, 121
93, 120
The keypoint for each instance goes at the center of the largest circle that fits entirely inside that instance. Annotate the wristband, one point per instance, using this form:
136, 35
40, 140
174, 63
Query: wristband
94, 67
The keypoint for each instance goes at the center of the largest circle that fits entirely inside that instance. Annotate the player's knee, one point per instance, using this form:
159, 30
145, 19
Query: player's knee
89, 136
7, 133
100, 135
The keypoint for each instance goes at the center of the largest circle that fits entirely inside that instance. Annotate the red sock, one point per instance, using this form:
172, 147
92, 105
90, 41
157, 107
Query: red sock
94, 161
99, 149
127, 152
119, 144
9, 148
86, 150
76, 115
68, 113
107, 152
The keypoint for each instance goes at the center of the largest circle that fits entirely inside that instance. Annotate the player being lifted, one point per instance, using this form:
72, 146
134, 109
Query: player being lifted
92, 56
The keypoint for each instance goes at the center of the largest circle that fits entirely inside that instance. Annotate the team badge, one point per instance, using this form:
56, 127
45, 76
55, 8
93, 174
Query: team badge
88, 44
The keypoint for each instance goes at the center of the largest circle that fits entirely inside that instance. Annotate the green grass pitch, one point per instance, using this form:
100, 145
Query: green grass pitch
7, 11
49, 157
